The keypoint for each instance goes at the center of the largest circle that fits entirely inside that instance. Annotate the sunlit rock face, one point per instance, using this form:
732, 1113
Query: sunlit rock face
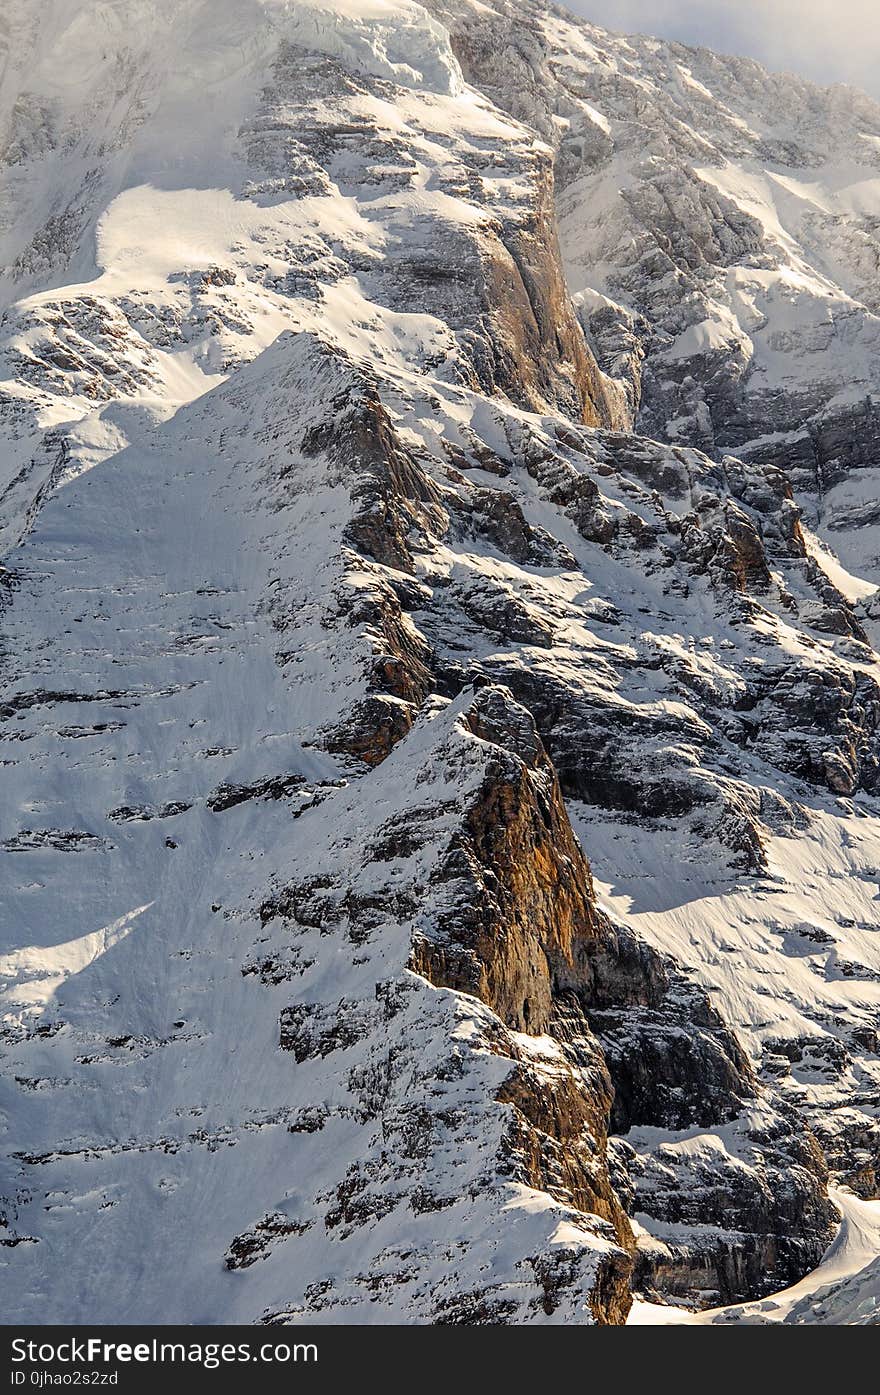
439, 705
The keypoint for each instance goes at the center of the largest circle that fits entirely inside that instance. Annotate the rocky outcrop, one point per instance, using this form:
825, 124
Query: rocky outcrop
535, 327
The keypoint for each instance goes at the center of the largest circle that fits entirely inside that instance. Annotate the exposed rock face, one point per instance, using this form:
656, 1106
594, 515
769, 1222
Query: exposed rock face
767, 1180
346, 606
522, 896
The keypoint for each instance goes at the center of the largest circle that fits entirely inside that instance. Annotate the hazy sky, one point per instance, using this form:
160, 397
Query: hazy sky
829, 40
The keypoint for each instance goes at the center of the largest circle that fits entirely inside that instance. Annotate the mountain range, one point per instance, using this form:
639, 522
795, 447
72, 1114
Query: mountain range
440, 712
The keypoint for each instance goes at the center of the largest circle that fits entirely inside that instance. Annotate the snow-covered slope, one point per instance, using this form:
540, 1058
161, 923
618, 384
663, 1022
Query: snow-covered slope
340, 598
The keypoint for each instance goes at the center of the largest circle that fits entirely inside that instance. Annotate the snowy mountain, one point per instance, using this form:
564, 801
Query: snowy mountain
441, 845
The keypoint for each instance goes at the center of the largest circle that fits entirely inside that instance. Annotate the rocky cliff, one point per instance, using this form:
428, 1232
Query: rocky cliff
400, 508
